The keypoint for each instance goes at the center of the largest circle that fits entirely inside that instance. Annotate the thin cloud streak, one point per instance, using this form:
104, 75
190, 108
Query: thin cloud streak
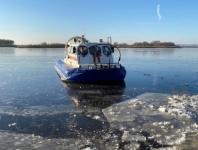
158, 12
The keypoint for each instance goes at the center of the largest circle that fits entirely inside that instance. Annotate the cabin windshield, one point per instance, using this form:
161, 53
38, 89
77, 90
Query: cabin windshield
94, 50
82, 50
106, 50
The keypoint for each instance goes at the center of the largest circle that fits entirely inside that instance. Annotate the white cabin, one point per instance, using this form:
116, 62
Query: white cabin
81, 53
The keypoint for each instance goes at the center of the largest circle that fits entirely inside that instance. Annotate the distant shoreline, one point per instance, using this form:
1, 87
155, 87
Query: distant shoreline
41, 46
64, 47
38, 46
154, 44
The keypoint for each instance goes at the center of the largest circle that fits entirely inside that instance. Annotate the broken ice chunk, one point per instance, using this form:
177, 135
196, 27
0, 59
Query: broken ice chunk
12, 124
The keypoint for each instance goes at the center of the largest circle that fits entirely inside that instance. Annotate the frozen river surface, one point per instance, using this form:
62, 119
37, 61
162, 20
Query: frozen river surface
38, 111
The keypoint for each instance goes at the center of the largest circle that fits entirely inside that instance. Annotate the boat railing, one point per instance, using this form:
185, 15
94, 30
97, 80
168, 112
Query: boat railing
119, 54
100, 66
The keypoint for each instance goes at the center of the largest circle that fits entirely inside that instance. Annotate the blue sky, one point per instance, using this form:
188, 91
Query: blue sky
36, 21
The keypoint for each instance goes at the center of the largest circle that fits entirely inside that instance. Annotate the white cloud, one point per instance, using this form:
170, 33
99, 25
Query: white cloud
158, 12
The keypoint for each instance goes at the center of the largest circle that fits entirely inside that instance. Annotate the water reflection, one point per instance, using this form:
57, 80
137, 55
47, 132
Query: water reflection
95, 96
85, 119
155, 51
61, 125
7, 51
39, 52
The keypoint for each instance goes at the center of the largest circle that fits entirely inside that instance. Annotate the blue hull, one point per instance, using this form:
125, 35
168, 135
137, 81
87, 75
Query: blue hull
81, 75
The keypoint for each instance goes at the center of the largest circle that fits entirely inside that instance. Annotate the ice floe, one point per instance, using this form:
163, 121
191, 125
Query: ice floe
161, 118
38, 110
27, 141
12, 124
149, 121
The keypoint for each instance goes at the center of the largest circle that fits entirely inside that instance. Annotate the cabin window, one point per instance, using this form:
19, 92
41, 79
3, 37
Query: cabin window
112, 49
98, 50
74, 49
92, 50
106, 50
69, 49
95, 50
82, 50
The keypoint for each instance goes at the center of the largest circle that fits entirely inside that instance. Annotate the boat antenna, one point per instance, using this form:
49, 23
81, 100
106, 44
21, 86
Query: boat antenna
109, 39
84, 40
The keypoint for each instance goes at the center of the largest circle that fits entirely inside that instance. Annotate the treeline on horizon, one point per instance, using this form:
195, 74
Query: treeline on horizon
10, 43
6, 43
154, 44
42, 45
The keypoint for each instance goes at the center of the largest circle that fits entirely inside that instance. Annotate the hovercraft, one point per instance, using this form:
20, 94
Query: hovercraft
87, 62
